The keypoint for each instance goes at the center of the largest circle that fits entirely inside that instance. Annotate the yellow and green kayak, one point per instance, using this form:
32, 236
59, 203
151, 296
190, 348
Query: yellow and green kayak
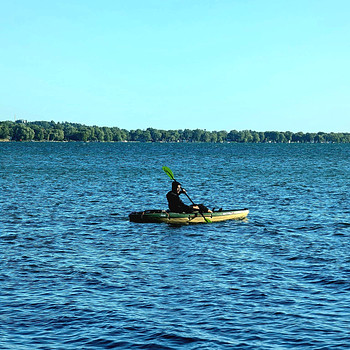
159, 216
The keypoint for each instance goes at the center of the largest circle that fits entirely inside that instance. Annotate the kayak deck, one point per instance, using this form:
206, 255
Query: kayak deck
159, 216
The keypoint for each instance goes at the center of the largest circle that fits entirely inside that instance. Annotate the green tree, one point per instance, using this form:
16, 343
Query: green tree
156, 135
82, 134
298, 137
333, 137
125, 134
69, 132
97, 134
39, 133
309, 137
135, 135
172, 135
272, 136
22, 132
245, 136
56, 134
145, 136
233, 136
197, 135
4, 131
262, 136
140, 135
108, 134
205, 137
281, 138
213, 136
288, 135
222, 136
187, 135
116, 135
256, 137
320, 137
345, 137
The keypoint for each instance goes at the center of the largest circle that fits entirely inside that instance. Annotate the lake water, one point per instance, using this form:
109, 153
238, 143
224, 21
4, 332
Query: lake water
76, 274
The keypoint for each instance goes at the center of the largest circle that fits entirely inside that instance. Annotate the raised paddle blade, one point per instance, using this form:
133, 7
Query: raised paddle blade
168, 172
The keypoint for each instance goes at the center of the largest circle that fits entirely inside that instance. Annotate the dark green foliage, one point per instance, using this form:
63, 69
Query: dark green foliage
4, 131
51, 131
22, 132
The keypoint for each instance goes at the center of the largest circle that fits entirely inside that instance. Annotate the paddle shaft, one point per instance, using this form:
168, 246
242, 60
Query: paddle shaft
189, 198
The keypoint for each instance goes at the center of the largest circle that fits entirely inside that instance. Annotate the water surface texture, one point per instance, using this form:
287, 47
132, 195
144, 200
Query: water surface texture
76, 274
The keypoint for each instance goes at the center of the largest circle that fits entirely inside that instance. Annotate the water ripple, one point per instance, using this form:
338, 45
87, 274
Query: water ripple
75, 273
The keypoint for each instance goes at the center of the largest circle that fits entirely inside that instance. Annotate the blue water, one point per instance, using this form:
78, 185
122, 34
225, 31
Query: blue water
76, 274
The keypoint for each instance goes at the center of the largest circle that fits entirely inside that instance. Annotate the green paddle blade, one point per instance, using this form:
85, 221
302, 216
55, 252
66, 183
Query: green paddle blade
168, 172
208, 221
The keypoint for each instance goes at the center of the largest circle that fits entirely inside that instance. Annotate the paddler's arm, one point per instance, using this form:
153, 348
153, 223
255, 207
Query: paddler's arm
196, 207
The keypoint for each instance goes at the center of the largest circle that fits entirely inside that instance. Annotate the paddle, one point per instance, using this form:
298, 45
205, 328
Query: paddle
171, 175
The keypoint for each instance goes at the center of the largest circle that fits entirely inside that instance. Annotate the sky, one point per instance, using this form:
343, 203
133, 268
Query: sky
257, 65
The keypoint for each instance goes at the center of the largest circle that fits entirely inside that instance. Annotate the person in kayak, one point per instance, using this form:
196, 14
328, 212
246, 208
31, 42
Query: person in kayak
176, 205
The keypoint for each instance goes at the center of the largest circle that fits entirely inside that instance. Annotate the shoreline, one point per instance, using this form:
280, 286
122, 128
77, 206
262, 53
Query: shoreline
169, 142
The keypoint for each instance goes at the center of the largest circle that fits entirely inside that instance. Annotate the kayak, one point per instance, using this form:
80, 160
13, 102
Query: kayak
158, 216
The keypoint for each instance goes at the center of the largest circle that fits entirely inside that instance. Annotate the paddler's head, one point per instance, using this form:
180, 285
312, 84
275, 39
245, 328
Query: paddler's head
176, 187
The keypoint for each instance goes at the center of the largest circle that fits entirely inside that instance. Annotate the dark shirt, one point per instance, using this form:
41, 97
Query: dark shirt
176, 205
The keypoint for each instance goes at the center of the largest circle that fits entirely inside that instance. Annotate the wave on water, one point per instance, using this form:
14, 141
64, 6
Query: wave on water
76, 274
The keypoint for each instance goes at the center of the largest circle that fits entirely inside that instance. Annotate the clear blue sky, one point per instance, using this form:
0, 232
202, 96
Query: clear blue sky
215, 65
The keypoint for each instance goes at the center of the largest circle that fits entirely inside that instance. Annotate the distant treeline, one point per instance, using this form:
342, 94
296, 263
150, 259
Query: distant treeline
51, 131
